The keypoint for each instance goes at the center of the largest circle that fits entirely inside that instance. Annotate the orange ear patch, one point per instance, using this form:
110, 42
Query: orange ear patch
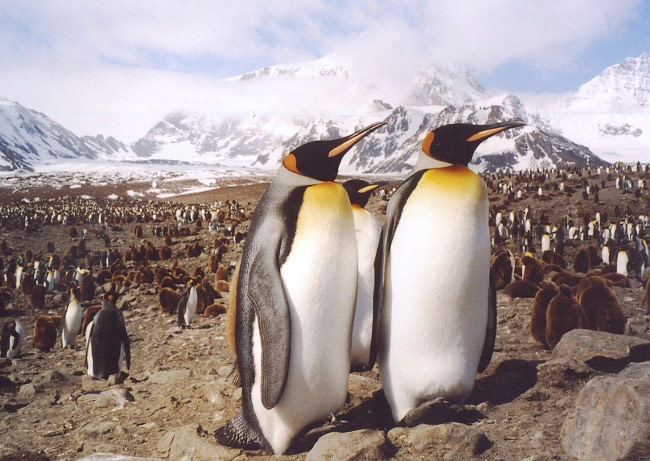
290, 164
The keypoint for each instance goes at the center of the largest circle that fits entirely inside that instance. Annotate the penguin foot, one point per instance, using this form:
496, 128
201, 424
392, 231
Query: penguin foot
237, 434
439, 411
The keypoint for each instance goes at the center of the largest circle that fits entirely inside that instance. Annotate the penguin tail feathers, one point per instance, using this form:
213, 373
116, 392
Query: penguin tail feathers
236, 433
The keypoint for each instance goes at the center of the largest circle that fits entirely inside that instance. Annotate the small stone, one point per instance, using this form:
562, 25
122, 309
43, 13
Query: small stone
117, 378
169, 376
224, 370
27, 390
114, 398
453, 438
192, 442
236, 395
214, 395
359, 445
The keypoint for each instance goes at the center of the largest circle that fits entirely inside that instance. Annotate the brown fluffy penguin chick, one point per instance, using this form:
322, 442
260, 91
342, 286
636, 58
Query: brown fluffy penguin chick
552, 268
221, 274
213, 263
601, 307
87, 288
501, 268
551, 257
103, 276
167, 282
44, 333
27, 284
563, 315
566, 278
533, 269
617, 279
214, 310
537, 325
581, 262
223, 286
89, 315
521, 289
37, 296
168, 299
231, 316
165, 253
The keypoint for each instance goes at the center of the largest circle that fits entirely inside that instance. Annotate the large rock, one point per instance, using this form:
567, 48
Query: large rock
451, 440
192, 443
602, 351
359, 445
611, 417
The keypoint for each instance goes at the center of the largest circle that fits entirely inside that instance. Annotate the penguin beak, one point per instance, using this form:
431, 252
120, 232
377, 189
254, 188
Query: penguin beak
345, 144
496, 128
371, 187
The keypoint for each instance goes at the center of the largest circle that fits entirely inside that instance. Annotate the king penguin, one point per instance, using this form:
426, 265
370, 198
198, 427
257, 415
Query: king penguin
368, 231
107, 342
186, 306
11, 339
71, 319
435, 297
295, 300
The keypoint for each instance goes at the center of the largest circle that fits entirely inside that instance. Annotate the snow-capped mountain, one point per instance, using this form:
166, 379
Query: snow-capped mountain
28, 137
610, 113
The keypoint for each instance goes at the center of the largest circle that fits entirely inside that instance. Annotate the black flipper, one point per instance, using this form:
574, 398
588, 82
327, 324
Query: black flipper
491, 329
393, 215
269, 301
127, 344
236, 433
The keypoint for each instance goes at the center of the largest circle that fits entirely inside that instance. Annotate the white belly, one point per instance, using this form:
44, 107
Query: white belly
368, 231
621, 263
16, 344
436, 292
320, 279
190, 307
89, 350
71, 324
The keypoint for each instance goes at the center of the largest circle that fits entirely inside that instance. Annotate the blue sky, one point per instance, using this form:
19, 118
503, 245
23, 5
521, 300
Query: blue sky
117, 66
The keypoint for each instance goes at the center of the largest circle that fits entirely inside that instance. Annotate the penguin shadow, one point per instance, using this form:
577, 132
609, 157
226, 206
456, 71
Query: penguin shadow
510, 379
375, 413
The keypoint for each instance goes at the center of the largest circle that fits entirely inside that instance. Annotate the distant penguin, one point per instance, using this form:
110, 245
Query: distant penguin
108, 343
581, 261
622, 262
71, 319
601, 307
295, 294
11, 339
368, 231
563, 315
186, 307
436, 299
537, 325
546, 242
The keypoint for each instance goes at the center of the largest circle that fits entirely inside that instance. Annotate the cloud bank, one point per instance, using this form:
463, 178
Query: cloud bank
118, 67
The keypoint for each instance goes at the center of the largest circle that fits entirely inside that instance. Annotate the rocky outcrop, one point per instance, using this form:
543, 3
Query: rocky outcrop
611, 417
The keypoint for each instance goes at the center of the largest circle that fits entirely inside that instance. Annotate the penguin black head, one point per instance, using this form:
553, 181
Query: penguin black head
359, 190
456, 143
321, 159
111, 297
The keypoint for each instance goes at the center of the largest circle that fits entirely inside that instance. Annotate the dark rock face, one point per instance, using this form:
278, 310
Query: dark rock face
611, 417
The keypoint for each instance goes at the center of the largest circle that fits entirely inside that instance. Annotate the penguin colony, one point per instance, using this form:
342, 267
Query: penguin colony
532, 259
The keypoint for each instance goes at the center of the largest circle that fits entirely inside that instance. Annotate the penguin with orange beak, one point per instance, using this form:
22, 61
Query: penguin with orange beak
435, 301
295, 299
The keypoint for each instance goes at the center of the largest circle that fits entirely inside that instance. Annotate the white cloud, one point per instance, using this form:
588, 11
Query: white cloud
117, 67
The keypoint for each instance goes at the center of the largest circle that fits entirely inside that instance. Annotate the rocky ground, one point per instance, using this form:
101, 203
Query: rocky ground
530, 404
